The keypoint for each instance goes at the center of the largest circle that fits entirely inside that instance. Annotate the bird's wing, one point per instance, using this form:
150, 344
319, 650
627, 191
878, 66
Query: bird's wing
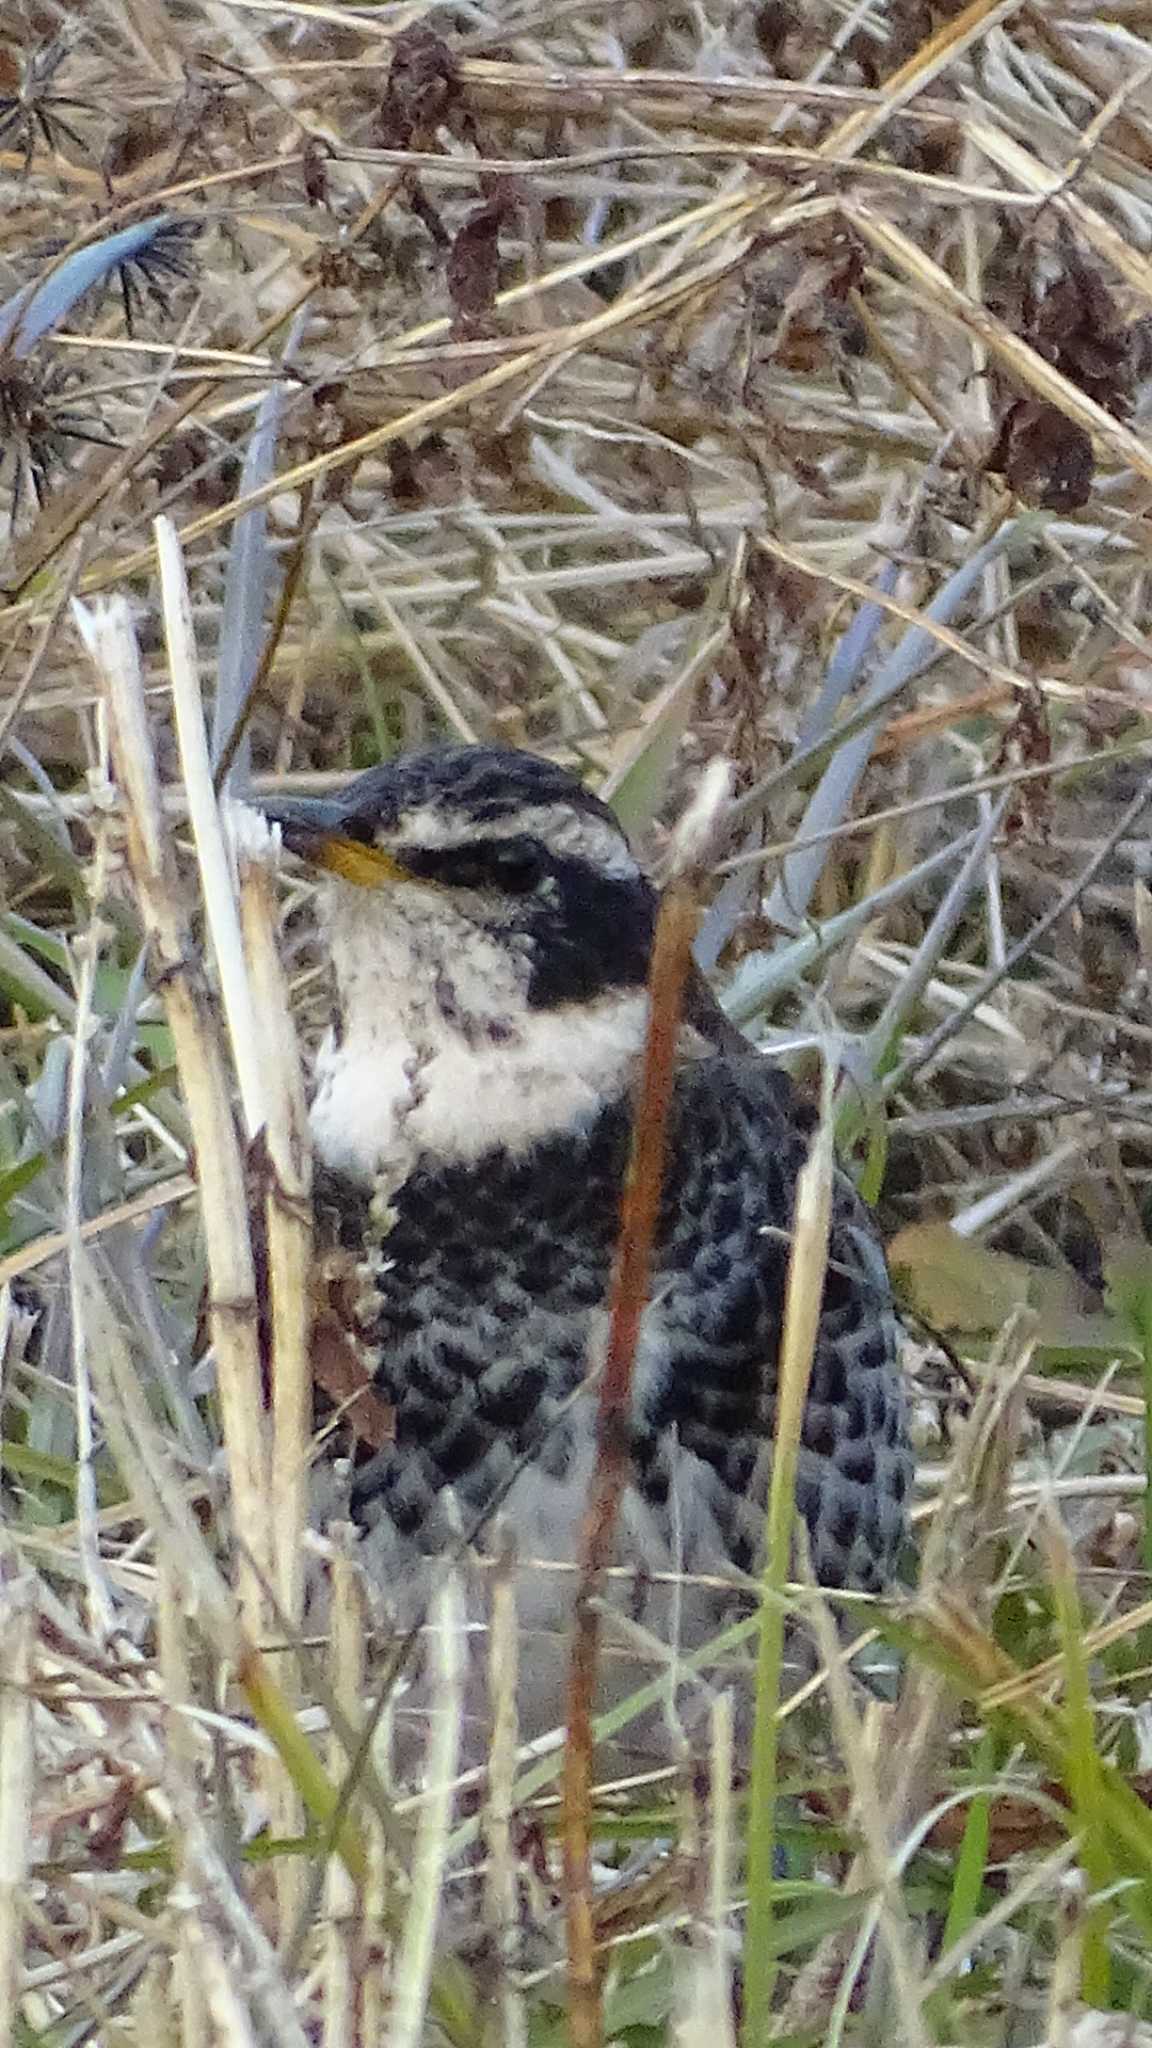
736, 1149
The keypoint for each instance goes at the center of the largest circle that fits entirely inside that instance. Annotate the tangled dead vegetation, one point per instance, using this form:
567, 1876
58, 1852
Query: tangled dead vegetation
642, 384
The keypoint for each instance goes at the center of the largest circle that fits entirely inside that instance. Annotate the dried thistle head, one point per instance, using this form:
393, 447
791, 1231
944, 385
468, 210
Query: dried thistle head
34, 114
153, 272
154, 264
37, 420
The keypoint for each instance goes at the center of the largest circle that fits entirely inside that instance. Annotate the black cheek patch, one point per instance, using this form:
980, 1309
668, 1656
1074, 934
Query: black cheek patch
594, 935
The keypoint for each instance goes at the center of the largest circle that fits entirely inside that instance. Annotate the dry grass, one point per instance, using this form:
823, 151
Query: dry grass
644, 385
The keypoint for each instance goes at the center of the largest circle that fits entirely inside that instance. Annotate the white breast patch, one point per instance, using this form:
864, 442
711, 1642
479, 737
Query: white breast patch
438, 1051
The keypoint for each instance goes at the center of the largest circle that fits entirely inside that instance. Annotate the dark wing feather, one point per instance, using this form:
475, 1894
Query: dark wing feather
737, 1148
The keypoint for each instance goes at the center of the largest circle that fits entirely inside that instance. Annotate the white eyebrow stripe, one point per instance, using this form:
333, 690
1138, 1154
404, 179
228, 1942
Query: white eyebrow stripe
560, 827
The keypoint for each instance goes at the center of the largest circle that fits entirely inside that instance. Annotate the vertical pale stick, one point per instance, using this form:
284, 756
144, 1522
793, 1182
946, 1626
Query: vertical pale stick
17, 1776
109, 635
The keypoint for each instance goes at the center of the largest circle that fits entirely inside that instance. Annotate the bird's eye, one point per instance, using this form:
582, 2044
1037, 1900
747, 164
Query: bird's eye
362, 830
513, 866
517, 865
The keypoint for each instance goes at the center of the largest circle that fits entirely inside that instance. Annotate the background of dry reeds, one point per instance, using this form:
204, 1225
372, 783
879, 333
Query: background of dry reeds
641, 383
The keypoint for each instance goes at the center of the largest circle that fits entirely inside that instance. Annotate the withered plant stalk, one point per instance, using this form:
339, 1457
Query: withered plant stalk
208, 1094
628, 1297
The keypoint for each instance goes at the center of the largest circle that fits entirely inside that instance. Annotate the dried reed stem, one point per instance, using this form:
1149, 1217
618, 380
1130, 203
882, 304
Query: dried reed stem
176, 1678
343, 1906
288, 1214
507, 2025
286, 1158
414, 1958
217, 886
110, 638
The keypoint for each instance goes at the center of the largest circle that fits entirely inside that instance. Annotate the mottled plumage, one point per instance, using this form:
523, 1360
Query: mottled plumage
489, 1017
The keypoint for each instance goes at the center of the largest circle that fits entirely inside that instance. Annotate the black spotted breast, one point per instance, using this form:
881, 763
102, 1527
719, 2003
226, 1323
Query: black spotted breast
491, 1287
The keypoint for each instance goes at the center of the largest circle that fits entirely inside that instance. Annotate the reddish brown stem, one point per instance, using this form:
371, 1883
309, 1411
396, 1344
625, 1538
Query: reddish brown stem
631, 1277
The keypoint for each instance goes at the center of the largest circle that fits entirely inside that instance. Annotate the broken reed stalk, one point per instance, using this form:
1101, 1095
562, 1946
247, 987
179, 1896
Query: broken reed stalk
272, 1100
110, 638
631, 1277
217, 888
269, 1545
285, 1159
287, 1166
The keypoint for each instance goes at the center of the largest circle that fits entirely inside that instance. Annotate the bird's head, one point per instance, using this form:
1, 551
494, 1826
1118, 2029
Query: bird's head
490, 930
484, 845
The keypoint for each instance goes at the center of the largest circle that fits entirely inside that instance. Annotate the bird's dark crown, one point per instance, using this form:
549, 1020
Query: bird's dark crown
481, 784
520, 848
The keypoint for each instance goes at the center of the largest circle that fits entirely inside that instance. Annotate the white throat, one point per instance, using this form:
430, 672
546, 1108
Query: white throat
437, 1051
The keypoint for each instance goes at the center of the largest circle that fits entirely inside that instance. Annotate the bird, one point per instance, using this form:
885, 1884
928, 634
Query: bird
488, 930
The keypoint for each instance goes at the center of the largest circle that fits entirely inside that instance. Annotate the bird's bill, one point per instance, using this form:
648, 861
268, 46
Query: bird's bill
316, 830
